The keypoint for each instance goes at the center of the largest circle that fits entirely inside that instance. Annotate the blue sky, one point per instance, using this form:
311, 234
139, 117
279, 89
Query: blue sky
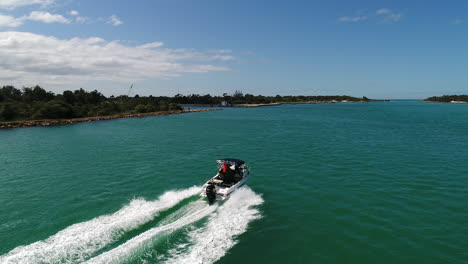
379, 49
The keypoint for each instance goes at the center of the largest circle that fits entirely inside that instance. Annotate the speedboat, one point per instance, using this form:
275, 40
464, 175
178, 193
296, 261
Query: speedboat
232, 173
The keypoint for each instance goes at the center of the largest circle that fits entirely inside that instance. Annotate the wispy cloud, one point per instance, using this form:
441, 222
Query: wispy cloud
382, 15
46, 17
39, 16
352, 19
83, 19
12, 4
152, 45
457, 21
388, 16
221, 51
49, 60
114, 20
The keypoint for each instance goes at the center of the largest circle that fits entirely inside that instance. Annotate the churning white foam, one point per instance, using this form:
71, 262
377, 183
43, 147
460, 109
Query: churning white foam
78, 242
209, 243
195, 212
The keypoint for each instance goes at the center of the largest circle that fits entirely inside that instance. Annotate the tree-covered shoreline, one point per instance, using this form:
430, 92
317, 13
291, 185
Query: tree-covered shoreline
238, 98
35, 103
447, 98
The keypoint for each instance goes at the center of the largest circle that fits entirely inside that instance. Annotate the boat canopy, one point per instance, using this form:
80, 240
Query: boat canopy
236, 162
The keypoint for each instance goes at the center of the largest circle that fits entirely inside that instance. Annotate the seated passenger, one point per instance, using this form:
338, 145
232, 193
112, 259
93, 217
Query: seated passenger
229, 176
237, 175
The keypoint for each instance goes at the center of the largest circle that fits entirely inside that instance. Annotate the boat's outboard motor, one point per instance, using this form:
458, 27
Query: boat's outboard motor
211, 193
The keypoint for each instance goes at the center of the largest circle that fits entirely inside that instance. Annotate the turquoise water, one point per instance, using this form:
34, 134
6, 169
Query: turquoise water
360, 183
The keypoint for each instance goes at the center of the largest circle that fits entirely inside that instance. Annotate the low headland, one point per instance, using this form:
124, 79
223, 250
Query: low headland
34, 106
238, 99
454, 99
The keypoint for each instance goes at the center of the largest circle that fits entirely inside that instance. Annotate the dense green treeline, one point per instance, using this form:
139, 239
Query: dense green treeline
32, 103
240, 98
448, 98
36, 103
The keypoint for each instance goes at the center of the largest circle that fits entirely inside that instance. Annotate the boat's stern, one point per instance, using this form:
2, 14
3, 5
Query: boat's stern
222, 185
221, 192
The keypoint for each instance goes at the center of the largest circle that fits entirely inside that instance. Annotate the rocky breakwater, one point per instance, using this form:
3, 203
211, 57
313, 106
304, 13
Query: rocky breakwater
57, 122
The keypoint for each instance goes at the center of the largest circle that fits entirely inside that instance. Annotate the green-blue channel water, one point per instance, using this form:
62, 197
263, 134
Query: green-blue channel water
383, 182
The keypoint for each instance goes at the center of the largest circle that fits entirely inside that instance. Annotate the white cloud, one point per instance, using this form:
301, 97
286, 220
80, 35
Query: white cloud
352, 19
46, 17
152, 45
9, 21
114, 20
39, 16
457, 21
12, 4
388, 16
29, 59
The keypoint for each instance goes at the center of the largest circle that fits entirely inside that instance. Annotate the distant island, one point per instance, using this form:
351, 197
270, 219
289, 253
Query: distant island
34, 106
460, 99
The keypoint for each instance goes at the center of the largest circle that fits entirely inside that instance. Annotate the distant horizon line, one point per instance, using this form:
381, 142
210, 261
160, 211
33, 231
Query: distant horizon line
221, 94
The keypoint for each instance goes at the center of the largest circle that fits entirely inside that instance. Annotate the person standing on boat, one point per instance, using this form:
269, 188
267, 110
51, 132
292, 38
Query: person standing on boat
222, 172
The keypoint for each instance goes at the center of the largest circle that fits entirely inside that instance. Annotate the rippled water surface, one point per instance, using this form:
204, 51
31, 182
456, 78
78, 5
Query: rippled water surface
360, 183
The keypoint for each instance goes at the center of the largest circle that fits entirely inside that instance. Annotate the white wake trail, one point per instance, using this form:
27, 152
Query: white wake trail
197, 211
209, 243
78, 242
